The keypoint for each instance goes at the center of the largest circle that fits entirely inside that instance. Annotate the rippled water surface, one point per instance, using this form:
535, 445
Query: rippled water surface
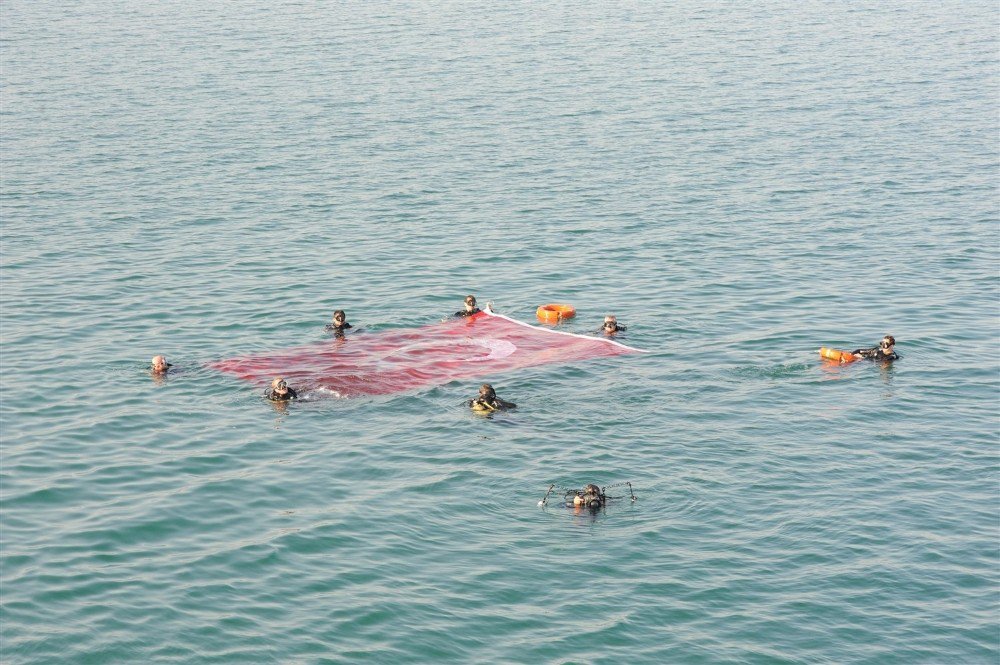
740, 183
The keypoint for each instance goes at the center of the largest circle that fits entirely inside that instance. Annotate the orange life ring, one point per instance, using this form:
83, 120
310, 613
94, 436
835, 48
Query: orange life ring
554, 313
837, 355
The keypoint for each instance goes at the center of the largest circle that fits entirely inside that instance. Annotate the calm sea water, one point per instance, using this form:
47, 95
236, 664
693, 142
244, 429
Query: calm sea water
740, 184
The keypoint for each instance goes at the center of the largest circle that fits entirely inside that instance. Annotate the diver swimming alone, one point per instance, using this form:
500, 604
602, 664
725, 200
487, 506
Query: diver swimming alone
280, 391
159, 365
470, 307
884, 350
611, 325
488, 400
591, 497
339, 324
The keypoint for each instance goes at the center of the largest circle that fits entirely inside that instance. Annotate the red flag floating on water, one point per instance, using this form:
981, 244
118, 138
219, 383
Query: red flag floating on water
398, 360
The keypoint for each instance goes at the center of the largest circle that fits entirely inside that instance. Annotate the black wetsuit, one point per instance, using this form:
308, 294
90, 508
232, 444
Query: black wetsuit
592, 501
338, 329
494, 404
275, 397
475, 310
617, 328
876, 354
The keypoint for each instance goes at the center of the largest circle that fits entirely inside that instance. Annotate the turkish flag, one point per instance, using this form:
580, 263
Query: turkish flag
393, 361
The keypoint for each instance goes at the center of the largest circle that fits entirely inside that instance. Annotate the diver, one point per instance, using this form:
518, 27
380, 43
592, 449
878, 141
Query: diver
279, 391
611, 326
884, 350
159, 365
590, 496
470, 307
488, 400
340, 323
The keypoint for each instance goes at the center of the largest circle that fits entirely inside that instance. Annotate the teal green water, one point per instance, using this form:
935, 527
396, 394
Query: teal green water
739, 184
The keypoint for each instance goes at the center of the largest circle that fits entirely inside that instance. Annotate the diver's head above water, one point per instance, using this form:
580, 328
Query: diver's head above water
487, 400
159, 364
611, 325
280, 391
339, 318
884, 351
470, 307
589, 497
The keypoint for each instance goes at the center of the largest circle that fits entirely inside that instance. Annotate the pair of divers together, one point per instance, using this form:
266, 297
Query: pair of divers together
594, 498
280, 391
487, 401
609, 327
591, 496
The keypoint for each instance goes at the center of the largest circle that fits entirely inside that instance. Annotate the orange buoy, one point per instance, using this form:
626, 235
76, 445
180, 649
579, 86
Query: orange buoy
554, 313
837, 355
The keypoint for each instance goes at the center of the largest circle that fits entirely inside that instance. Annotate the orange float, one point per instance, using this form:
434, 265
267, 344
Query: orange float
554, 313
837, 355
